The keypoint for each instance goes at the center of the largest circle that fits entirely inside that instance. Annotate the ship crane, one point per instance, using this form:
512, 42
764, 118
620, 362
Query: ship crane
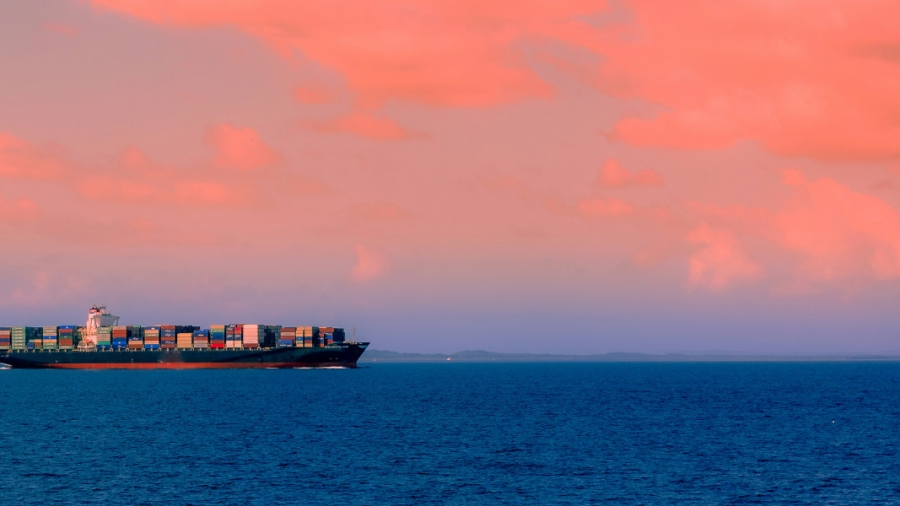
98, 316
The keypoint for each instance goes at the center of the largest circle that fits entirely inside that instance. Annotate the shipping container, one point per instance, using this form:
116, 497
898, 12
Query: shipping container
185, 340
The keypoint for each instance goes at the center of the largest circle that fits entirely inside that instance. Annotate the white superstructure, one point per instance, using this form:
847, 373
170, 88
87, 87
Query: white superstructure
98, 316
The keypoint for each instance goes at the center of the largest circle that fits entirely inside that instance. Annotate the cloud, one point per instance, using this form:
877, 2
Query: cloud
381, 211
315, 93
365, 125
807, 78
20, 159
60, 29
720, 261
454, 54
507, 184
44, 288
604, 207
810, 78
839, 233
826, 232
140, 180
370, 265
613, 175
19, 211
240, 148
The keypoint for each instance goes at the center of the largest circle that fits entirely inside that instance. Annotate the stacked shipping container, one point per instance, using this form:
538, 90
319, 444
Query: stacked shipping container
151, 338
168, 337
66, 335
234, 336
135, 337
49, 338
306, 336
19, 338
217, 337
184, 340
251, 336
201, 339
105, 338
119, 337
287, 336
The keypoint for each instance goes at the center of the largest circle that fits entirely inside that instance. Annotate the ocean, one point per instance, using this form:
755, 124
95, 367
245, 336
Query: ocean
456, 433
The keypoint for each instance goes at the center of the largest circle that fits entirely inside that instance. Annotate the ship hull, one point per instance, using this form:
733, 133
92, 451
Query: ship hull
337, 355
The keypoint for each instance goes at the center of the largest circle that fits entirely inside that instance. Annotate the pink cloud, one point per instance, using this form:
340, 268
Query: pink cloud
365, 125
19, 211
303, 185
381, 211
720, 260
140, 180
459, 54
60, 29
840, 233
19, 159
814, 78
508, 184
240, 148
604, 207
613, 175
44, 288
314, 93
806, 78
829, 232
370, 265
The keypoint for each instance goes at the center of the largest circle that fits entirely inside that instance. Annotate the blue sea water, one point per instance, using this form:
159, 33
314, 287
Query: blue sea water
510, 433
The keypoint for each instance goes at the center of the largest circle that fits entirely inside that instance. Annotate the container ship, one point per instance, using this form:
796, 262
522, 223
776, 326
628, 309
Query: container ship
104, 344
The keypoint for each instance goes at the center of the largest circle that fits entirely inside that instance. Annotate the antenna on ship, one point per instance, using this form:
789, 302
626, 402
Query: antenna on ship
353, 336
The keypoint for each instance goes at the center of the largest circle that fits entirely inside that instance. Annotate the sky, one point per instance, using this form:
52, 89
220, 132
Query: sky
536, 176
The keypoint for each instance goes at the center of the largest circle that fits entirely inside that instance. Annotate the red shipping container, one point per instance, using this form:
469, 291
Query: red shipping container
217, 345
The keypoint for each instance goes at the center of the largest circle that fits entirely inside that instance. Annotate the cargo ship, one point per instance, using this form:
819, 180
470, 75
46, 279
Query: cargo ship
104, 344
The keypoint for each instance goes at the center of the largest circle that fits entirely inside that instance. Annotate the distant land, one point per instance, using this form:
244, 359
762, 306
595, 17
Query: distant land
488, 356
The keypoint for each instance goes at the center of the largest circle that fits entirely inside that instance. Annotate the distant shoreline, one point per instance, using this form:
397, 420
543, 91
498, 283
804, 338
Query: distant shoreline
371, 356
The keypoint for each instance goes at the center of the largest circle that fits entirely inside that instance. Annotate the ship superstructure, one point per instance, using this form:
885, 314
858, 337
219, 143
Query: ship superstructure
98, 316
